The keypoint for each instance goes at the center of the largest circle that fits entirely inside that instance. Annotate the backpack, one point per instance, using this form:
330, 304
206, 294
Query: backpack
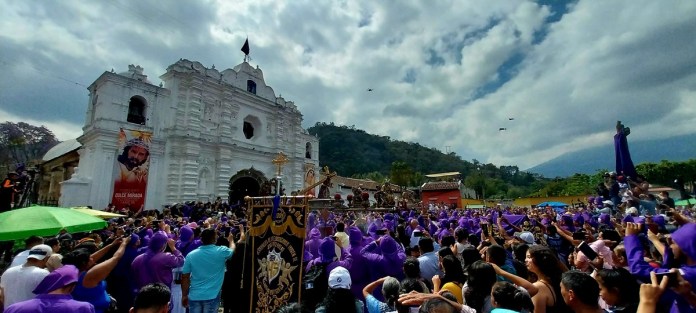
314, 285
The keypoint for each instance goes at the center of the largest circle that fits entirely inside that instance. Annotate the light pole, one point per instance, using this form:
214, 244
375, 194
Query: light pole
483, 185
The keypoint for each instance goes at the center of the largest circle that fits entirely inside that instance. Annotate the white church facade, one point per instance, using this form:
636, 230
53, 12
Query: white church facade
204, 134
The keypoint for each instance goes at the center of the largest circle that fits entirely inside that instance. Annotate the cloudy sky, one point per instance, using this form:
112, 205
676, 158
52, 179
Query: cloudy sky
446, 74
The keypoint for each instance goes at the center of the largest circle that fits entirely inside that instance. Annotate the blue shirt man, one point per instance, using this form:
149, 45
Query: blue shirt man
202, 275
429, 261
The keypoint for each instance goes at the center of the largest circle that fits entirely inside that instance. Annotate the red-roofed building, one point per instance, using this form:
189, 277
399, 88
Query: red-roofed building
441, 192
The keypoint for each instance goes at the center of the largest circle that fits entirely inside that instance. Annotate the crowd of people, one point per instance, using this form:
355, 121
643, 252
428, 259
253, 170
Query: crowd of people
638, 255
624, 250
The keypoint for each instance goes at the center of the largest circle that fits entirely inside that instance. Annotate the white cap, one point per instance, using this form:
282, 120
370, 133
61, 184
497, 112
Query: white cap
632, 210
526, 236
608, 202
339, 278
40, 252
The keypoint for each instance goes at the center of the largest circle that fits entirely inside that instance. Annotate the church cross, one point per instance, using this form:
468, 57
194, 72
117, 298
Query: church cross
279, 161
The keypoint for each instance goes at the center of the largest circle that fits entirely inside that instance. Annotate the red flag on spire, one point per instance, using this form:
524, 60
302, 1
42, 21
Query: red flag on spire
245, 47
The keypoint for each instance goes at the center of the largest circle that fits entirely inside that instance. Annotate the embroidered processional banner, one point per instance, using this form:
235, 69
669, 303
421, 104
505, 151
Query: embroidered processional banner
277, 233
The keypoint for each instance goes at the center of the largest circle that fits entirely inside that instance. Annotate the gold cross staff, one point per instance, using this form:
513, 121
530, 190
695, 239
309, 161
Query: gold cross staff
279, 161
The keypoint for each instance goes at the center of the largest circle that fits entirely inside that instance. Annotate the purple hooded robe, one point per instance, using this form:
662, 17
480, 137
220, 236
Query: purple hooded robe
186, 242
155, 266
327, 253
312, 244
387, 263
359, 270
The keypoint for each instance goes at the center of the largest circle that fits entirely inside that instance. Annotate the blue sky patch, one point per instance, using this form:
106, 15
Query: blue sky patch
505, 73
558, 8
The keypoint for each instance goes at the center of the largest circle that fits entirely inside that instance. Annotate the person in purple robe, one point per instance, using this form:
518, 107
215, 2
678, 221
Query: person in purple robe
312, 244
387, 263
187, 242
578, 220
389, 225
567, 223
311, 221
359, 270
327, 256
605, 221
145, 235
680, 254
53, 295
155, 266
444, 233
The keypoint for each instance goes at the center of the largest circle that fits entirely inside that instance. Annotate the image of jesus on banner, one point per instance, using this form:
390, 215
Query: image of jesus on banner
133, 162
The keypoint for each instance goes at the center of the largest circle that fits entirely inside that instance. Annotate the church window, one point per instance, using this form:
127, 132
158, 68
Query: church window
252, 127
251, 86
248, 130
308, 150
136, 110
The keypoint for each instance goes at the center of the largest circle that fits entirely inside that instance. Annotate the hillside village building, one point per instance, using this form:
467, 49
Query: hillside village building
200, 135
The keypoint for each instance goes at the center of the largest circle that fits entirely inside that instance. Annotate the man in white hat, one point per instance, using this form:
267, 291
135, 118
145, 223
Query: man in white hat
525, 237
339, 288
17, 283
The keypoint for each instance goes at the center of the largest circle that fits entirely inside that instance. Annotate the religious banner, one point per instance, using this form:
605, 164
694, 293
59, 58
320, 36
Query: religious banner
310, 178
133, 161
278, 246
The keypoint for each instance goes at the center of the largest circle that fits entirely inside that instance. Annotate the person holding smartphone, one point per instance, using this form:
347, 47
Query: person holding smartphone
682, 249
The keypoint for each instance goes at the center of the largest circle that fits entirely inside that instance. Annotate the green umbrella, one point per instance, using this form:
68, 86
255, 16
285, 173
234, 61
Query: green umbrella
45, 221
685, 202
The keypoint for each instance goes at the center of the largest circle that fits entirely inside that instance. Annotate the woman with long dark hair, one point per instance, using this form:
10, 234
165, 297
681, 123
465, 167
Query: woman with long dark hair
91, 284
339, 298
477, 291
543, 262
454, 278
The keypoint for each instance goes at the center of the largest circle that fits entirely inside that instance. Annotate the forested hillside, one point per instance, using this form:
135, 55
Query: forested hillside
355, 153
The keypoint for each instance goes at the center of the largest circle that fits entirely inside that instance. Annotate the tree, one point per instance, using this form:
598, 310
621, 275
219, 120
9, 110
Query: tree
477, 182
374, 176
401, 174
22, 142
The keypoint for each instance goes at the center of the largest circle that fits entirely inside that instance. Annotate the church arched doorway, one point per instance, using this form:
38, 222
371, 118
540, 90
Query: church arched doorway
246, 183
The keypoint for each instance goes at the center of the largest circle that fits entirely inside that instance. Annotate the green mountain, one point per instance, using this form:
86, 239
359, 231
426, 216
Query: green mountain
590, 160
353, 152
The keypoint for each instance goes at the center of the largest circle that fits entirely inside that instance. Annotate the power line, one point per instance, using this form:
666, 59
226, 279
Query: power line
31, 67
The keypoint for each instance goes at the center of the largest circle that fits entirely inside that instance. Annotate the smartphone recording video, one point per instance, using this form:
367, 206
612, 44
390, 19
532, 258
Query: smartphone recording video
587, 250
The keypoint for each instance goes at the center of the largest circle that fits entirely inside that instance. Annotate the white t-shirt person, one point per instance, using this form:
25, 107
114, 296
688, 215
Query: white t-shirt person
18, 282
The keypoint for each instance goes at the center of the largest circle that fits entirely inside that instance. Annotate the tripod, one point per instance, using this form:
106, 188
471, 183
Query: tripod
28, 190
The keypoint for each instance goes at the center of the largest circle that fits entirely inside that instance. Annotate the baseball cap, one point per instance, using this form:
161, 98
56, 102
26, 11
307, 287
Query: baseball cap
40, 252
608, 202
525, 236
339, 278
632, 210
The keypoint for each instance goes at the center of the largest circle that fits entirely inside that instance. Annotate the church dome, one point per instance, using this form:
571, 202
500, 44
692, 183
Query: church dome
61, 149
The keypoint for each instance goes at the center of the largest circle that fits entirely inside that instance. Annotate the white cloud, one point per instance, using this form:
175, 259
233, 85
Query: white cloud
426, 61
